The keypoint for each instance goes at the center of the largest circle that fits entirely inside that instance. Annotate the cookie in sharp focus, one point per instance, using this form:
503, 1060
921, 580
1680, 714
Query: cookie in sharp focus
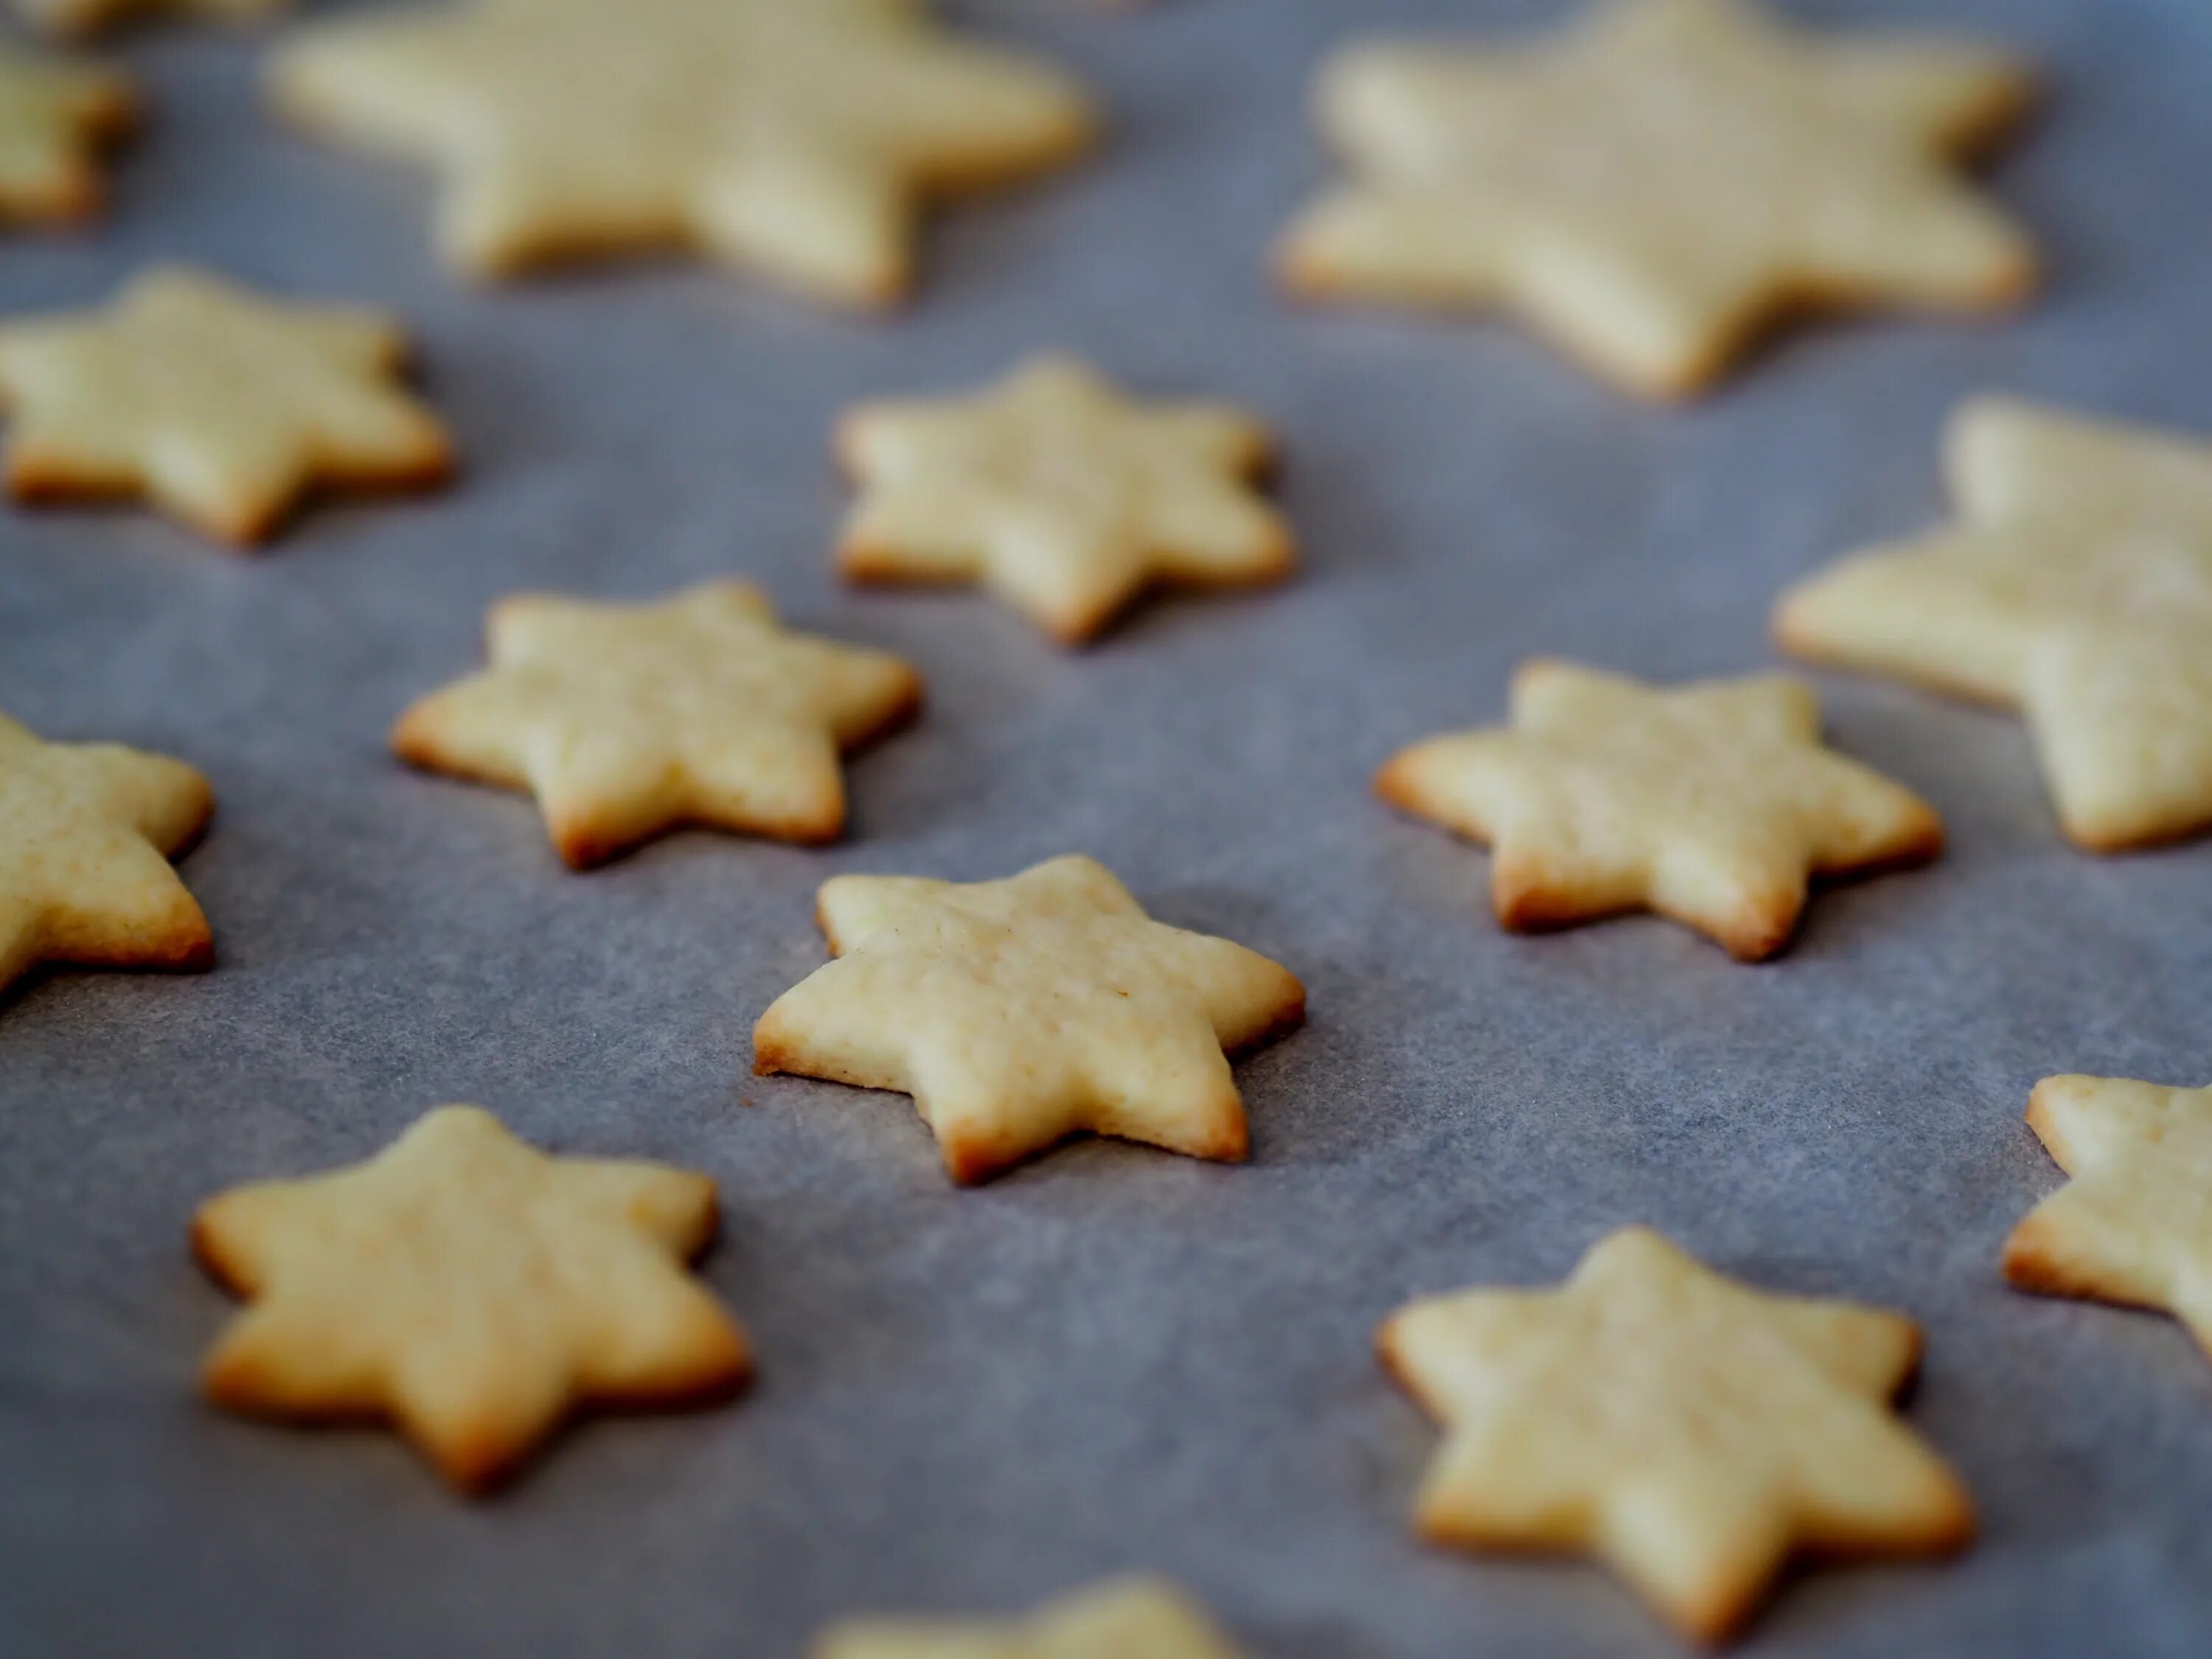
1714, 803
468, 1288
630, 720
1018, 1013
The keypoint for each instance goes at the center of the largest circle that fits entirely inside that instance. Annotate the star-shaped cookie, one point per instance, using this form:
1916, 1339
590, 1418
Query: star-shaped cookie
1688, 1431
2135, 1224
78, 18
1122, 1618
791, 141
470, 1288
2076, 585
55, 117
220, 405
1018, 1013
1062, 494
627, 721
86, 831
1713, 803
1654, 187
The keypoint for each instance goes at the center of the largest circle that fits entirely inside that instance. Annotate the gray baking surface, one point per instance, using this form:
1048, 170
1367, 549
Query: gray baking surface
1114, 1357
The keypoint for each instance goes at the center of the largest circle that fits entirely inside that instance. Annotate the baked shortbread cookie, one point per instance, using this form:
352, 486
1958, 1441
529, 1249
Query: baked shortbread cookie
2135, 1224
1018, 1013
1656, 185
470, 1288
218, 404
1689, 1432
1062, 494
86, 831
78, 18
791, 141
1713, 803
627, 721
55, 117
2074, 585
1121, 1619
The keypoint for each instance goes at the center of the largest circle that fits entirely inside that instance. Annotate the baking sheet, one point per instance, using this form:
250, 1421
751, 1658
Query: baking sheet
1114, 1357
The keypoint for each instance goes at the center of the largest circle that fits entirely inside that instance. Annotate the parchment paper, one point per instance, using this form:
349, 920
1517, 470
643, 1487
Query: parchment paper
1115, 1357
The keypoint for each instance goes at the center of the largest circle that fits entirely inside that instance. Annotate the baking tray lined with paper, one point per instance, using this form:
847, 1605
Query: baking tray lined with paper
1110, 1358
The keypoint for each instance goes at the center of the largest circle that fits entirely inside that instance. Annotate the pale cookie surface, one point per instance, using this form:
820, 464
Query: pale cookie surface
1688, 1431
1061, 494
1712, 803
215, 403
791, 141
55, 116
2074, 585
1653, 187
1122, 1618
470, 1288
1018, 1013
86, 831
2135, 1224
77, 18
627, 721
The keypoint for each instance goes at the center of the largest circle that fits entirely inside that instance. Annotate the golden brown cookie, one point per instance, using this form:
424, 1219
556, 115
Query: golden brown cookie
55, 118
218, 404
78, 18
86, 831
1121, 1619
1018, 1013
2074, 585
1690, 1431
795, 142
1712, 803
2135, 1224
1653, 187
471, 1289
627, 721
1062, 494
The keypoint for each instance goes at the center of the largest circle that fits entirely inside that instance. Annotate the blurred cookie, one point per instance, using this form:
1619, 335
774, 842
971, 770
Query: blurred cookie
627, 721
86, 831
2074, 585
794, 141
1690, 1431
1018, 1013
1653, 187
1061, 494
78, 18
470, 1288
1713, 803
2135, 1224
55, 117
215, 403
1122, 1618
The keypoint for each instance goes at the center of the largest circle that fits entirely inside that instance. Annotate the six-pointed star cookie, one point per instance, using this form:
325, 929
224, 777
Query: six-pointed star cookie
1712, 803
2076, 586
54, 117
1122, 1618
1688, 1431
86, 831
790, 140
1017, 1013
469, 1287
2135, 1224
1061, 493
220, 405
1656, 185
626, 720
83, 17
